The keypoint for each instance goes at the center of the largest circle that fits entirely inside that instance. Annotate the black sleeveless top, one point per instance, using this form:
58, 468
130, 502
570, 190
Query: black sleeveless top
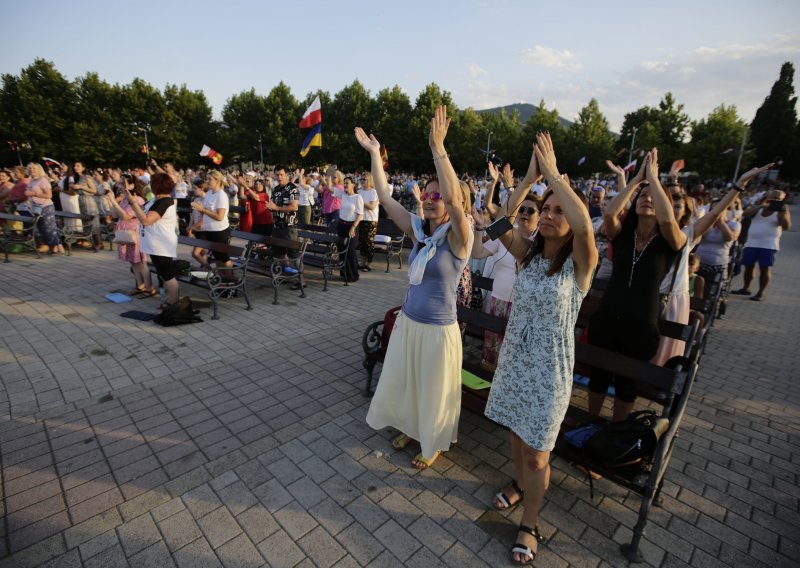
637, 303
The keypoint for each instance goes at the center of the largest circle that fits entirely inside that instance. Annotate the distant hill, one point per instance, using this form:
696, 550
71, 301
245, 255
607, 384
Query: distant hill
525, 112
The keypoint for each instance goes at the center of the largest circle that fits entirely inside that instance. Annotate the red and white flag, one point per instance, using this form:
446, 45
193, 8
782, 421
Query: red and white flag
631, 166
313, 114
213, 155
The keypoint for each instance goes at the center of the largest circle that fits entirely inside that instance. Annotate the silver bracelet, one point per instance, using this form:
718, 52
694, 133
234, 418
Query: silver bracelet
442, 157
556, 179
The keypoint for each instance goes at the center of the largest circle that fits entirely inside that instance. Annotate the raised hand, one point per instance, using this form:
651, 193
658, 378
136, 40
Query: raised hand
508, 176
676, 167
546, 155
416, 192
439, 125
641, 174
651, 166
369, 143
615, 168
493, 173
750, 175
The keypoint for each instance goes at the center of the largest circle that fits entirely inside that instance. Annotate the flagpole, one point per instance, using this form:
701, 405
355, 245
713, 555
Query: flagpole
488, 146
739, 159
630, 152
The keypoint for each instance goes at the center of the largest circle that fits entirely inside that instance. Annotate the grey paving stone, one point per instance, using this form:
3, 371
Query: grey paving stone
307, 492
370, 515
113, 557
331, 515
201, 501
321, 547
360, 543
155, 556
272, 495
281, 551
179, 530
240, 553
257, 523
219, 527
71, 559
197, 554
98, 544
138, 534
432, 535
295, 520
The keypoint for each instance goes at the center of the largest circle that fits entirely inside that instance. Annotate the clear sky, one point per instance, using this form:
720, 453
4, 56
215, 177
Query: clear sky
485, 52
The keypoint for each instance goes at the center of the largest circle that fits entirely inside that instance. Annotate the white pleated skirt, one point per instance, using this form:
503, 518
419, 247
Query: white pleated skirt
419, 391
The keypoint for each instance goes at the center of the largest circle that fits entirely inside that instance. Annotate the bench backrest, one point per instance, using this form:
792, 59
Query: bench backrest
254, 238
17, 218
67, 215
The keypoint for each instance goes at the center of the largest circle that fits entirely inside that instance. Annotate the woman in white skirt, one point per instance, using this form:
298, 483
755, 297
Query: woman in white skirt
419, 391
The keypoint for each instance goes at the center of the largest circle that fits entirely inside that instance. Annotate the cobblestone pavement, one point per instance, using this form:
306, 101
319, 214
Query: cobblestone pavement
242, 441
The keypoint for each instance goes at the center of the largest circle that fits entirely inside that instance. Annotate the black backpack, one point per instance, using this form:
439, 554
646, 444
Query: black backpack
179, 313
617, 444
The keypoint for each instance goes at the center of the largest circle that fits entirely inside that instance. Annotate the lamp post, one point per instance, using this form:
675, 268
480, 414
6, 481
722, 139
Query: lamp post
488, 151
260, 148
630, 152
741, 153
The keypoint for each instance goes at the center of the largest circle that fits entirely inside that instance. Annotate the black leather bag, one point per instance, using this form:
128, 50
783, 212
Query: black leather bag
617, 444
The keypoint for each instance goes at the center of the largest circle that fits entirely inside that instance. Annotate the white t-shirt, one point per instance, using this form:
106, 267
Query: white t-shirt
216, 200
539, 189
161, 238
503, 271
305, 196
764, 232
682, 278
181, 190
369, 195
352, 206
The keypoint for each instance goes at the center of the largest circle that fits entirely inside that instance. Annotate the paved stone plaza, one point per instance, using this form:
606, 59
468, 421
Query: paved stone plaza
242, 441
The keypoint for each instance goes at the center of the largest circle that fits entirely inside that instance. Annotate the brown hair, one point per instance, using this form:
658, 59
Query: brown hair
537, 246
162, 184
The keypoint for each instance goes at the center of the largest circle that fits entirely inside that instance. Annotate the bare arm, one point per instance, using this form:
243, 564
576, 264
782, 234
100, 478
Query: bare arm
146, 219
784, 219
584, 251
516, 241
396, 212
448, 184
611, 221
665, 215
487, 199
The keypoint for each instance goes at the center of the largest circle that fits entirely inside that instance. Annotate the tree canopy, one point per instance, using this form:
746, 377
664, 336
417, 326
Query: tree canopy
106, 124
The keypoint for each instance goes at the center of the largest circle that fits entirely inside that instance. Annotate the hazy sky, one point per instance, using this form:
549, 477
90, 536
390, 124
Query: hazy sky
485, 52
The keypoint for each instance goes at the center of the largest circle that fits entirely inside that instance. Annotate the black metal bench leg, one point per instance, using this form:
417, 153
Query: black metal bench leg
246, 298
631, 550
214, 315
369, 366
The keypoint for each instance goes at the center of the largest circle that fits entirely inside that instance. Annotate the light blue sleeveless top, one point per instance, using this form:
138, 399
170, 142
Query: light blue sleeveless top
434, 300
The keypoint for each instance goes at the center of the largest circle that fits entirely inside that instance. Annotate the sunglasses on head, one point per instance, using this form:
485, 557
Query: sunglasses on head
435, 196
528, 210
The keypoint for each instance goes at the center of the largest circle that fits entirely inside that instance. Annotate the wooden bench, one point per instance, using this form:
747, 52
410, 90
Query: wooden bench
667, 387
218, 282
26, 236
258, 251
73, 233
322, 251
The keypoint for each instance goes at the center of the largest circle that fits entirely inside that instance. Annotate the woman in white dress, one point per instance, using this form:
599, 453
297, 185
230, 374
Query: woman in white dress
532, 385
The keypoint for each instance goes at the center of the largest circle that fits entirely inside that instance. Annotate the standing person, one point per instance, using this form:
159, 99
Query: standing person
159, 232
195, 226
216, 227
351, 212
503, 271
645, 245
767, 223
532, 385
285, 199
5, 188
257, 218
86, 190
127, 221
305, 198
369, 225
39, 203
68, 196
102, 186
419, 391
330, 203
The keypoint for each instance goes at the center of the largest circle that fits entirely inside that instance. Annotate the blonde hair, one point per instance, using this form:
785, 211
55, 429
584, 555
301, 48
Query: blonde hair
217, 175
36, 166
466, 197
369, 181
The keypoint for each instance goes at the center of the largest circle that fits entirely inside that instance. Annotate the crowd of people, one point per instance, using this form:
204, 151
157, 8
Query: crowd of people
654, 240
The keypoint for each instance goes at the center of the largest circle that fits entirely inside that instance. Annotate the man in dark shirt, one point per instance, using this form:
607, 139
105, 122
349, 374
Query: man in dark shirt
596, 195
284, 203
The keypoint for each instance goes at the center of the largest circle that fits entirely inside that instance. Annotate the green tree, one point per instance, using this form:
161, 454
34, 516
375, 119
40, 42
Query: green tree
97, 107
465, 140
191, 118
244, 116
350, 107
425, 105
774, 128
589, 137
37, 108
283, 116
392, 113
672, 124
542, 120
712, 138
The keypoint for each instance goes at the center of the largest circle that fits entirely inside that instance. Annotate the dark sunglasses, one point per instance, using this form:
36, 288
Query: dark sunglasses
435, 196
528, 210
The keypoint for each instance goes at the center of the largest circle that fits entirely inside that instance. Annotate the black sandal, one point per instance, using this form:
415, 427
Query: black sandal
520, 548
505, 500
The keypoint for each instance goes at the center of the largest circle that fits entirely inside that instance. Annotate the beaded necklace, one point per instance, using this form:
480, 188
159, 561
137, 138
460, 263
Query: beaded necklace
637, 256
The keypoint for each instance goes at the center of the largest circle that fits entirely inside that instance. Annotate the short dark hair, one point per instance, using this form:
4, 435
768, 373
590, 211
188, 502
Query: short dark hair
281, 167
161, 184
